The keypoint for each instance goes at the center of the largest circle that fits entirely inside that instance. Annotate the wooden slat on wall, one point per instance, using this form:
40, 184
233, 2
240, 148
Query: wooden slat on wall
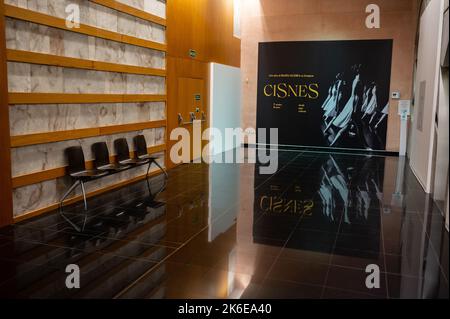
50, 21
205, 26
69, 98
58, 136
47, 175
75, 199
6, 206
131, 11
62, 61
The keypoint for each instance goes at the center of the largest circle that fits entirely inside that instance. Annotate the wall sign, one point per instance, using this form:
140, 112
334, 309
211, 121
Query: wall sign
192, 53
326, 93
404, 107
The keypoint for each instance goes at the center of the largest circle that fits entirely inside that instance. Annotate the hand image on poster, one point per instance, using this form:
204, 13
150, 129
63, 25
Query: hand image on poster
327, 93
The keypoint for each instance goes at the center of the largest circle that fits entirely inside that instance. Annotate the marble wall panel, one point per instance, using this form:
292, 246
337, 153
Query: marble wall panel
75, 45
105, 18
46, 79
56, 8
29, 119
160, 135
19, 77
17, 3
156, 7
32, 78
26, 36
142, 83
39, 38
127, 24
46, 193
98, 16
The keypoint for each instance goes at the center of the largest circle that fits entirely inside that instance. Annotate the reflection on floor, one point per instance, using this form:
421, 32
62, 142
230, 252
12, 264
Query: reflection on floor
225, 231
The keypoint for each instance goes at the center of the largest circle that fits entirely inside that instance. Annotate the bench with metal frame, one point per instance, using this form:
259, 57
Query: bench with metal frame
80, 174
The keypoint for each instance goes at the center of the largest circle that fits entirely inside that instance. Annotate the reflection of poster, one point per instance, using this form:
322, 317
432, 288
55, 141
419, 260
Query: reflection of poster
327, 196
326, 93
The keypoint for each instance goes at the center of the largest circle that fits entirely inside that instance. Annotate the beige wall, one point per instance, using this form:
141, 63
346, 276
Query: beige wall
428, 71
297, 20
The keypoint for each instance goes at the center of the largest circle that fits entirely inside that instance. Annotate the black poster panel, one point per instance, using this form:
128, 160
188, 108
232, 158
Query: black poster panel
325, 93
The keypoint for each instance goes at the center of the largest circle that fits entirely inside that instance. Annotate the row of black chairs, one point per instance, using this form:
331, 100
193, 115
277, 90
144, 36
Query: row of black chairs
102, 166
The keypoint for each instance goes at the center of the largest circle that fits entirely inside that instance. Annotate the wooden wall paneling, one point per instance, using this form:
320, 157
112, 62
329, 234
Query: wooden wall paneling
50, 21
186, 28
205, 26
182, 68
222, 46
188, 89
6, 206
62, 61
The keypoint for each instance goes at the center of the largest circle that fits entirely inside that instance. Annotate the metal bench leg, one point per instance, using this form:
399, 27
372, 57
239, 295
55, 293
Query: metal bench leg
148, 167
70, 190
153, 196
61, 204
161, 168
84, 195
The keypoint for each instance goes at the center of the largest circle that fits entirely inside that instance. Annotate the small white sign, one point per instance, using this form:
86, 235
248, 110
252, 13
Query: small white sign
404, 107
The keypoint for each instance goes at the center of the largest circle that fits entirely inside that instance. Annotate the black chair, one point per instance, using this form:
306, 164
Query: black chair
123, 154
77, 170
141, 148
142, 153
102, 162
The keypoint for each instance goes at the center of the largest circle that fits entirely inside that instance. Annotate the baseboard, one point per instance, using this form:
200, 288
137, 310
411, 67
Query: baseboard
418, 179
327, 149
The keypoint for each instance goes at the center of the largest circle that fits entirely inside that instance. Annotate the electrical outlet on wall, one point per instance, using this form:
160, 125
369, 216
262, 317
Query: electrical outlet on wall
395, 95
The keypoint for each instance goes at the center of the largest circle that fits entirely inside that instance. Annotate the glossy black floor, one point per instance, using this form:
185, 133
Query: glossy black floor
226, 231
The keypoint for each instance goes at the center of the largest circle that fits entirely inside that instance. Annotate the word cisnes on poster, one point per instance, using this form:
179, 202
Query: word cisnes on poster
285, 90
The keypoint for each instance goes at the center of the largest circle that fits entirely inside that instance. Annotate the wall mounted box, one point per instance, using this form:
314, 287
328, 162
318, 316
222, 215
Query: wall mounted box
395, 95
